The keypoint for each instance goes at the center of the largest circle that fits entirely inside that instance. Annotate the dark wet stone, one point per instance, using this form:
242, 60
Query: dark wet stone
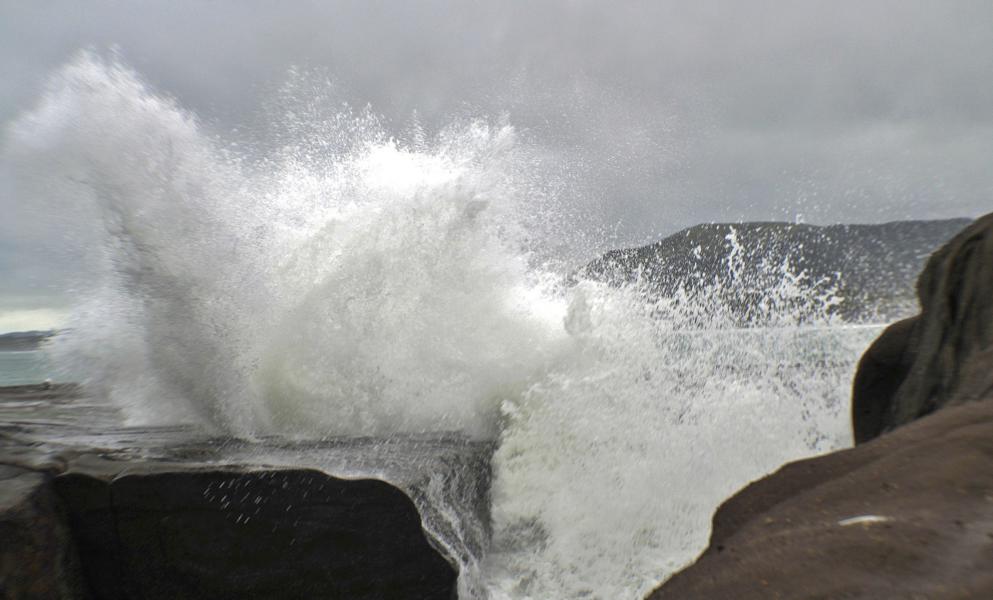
191, 531
940, 357
881, 371
37, 555
227, 533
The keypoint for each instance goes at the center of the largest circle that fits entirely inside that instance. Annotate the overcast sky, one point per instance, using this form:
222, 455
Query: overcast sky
678, 112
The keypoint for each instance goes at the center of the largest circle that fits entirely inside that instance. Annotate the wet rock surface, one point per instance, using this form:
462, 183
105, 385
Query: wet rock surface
881, 371
908, 515
93, 510
227, 533
37, 554
941, 357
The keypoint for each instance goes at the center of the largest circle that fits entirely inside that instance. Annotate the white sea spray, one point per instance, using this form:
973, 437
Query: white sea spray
347, 283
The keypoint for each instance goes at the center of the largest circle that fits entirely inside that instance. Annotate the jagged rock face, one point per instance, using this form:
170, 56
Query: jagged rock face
942, 356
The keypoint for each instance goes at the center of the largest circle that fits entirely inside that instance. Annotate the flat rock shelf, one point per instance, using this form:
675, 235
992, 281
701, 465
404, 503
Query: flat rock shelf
90, 509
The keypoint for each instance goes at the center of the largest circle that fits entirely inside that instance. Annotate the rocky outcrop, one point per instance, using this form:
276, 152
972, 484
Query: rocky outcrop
166, 513
882, 370
182, 531
908, 513
23, 340
38, 558
941, 357
229, 533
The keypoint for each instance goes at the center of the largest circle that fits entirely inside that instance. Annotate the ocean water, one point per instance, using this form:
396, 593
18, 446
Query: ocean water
349, 282
25, 367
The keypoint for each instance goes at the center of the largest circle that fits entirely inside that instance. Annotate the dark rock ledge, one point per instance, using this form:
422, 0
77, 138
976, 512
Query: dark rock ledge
164, 532
94, 516
908, 513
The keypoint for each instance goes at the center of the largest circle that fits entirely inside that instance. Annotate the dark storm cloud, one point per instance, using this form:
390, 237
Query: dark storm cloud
673, 113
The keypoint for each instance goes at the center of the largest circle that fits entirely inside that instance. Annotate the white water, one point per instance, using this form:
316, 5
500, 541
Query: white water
347, 283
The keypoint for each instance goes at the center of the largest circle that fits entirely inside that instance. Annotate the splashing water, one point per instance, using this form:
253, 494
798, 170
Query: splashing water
346, 283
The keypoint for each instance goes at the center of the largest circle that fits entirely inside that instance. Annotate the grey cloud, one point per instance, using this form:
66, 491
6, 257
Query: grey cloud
674, 112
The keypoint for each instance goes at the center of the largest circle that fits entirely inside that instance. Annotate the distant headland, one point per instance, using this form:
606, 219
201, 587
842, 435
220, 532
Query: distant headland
20, 341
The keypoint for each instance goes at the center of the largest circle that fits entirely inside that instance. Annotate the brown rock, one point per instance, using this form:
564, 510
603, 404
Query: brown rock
940, 357
908, 515
882, 370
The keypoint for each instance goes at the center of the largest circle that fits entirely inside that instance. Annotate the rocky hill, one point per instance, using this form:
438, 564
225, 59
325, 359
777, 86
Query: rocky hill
869, 268
23, 340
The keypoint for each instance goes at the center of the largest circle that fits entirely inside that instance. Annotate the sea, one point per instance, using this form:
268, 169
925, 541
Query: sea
23, 367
